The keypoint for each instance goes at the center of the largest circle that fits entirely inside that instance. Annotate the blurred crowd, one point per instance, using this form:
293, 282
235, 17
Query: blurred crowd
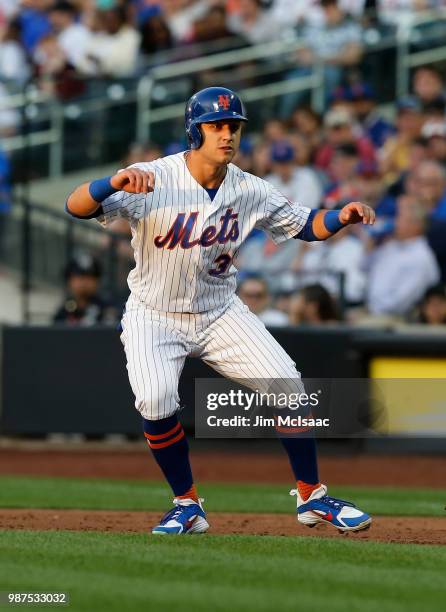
59, 38
67, 47
392, 272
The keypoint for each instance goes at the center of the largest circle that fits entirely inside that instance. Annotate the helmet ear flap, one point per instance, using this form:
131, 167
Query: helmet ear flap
195, 137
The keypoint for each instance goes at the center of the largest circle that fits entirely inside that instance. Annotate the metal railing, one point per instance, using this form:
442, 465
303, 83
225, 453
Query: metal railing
279, 50
44, 118
407, 33
38, 243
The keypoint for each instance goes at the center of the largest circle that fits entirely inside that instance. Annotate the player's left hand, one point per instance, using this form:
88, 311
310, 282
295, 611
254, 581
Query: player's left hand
355, 212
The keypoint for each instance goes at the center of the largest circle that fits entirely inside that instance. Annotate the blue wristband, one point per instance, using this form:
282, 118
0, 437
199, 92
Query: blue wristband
101, 189
332, 222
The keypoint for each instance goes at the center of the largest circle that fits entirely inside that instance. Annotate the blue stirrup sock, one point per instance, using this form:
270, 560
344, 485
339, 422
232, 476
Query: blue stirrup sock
302, 456
300, 446
168, 443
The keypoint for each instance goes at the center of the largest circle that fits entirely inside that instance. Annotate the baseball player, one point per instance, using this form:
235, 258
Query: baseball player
189, 214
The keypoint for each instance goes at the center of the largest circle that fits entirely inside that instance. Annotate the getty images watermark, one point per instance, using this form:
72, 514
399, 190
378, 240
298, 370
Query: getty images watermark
252, 404
328, 408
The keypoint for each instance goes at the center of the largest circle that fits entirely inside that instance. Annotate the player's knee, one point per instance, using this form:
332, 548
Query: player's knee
157, 406
284, 393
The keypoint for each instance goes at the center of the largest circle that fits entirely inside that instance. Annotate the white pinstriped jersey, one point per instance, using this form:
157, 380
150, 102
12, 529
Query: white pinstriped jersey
184, 242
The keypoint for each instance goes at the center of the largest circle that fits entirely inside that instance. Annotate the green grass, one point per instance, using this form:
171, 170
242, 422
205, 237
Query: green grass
117, 572
37, 492
138, 572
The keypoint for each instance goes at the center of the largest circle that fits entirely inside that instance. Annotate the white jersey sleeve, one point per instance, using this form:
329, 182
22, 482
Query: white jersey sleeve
283, 219
126, 205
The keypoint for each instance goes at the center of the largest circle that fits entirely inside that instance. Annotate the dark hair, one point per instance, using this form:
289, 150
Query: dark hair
420, 141
150, 29
83, 264
121, 12
63, 6
310, 111
435, 291
437, 106
327, 309
348, 149
432, 69
14, 30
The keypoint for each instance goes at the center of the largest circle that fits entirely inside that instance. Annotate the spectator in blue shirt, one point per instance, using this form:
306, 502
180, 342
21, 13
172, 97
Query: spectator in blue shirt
362, 102
5, 185
34, 24
5, 195
429, 183
426, 187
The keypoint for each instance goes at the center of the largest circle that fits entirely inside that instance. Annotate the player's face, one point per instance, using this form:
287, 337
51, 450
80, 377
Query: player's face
221, 140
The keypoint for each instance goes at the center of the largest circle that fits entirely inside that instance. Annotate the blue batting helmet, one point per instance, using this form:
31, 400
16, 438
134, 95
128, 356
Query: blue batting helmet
211, 104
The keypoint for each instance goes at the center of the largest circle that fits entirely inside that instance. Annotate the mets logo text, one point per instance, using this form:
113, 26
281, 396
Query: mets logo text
181, 230
224, 102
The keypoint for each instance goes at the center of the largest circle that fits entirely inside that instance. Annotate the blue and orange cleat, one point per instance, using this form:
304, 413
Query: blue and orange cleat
321, 508
187, 516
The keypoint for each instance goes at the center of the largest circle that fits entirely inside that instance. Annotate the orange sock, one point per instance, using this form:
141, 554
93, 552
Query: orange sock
305, 489
190, 494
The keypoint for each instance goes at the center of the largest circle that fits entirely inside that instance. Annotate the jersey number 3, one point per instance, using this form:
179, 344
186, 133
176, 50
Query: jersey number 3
222, 263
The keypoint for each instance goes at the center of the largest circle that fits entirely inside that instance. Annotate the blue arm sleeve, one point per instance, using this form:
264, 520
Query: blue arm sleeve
100, 190
94, 215
331, 222
307, 233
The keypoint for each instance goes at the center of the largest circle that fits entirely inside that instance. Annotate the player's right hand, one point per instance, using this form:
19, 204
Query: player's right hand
134, 180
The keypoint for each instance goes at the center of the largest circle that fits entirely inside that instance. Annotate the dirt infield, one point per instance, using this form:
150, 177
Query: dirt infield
358, 470
408, 530
364, 470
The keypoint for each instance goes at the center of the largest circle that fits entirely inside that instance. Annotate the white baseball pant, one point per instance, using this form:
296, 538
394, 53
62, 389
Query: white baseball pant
232, 340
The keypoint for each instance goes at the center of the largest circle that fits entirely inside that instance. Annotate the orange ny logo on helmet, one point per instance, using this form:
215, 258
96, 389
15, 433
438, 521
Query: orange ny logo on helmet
224, 102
